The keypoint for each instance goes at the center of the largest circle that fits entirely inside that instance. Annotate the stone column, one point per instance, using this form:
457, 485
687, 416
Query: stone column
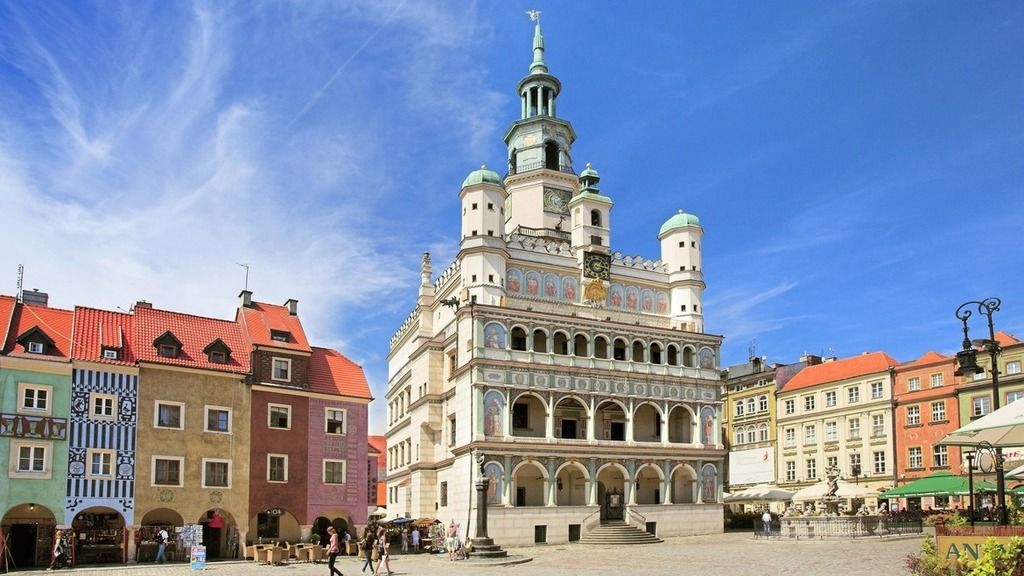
666, 486
551, 102
552, 482
631, 483
629, 421
506, 491
133, 532
481, 506
664, 424
592, 487
698, 483
549, 423
590, 421
522, 99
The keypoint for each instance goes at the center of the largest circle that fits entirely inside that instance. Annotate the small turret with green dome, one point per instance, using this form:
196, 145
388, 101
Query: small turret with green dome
482, 176
679, 220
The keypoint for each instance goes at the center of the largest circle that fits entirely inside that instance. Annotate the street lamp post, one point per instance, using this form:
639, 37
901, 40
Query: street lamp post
967, 360
970, 485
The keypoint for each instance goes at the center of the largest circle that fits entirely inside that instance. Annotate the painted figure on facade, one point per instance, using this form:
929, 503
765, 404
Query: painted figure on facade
707, 426
646, 300
532, 283
494, 413
570, 287
707, 358
662, 302
551, 286
615, 296
492, 470
514, 281
709, 484
631, 298
494, 336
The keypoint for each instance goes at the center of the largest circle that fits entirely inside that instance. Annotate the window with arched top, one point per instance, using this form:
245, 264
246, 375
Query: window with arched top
561, 342
600, 347
579, 345
551, 156
655, 353
595, 217
540, 341
688, 357
673, 355
518, 338
619, 349
638, 351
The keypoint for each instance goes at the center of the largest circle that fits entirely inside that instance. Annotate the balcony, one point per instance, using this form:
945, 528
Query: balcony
534, 166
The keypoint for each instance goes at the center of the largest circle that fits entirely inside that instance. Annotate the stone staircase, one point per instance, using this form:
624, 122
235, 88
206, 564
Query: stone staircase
612, 533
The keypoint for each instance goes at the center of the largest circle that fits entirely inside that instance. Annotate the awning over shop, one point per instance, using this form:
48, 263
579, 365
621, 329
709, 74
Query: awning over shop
939, 484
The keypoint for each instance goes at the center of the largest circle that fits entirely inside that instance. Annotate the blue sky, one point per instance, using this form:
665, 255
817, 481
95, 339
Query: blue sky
856, 165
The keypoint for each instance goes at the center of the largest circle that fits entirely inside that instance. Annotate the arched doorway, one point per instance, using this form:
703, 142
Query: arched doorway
570, 418
571, 485
273, 525
611, 484
99, 536
529, 416
648, 484
29, 529
220, 533
680, 425
529, 484
647, 423
152, 522
684, 485
610, 421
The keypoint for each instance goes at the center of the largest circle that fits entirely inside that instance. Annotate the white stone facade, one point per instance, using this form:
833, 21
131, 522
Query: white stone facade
581, 377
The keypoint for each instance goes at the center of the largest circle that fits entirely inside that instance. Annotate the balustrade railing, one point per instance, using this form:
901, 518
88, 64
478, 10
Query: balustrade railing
820, 527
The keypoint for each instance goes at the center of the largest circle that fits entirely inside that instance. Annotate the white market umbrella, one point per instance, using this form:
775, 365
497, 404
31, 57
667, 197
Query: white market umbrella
1003, 428
379, 512
760, 493
846, 490
1017, 473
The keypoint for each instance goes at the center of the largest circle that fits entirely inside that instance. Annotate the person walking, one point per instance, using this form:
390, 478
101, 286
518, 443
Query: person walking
415, 540
450, 541
405, 541
58, 551
332, 551
766, 519
161, 539
382, 552
368, 548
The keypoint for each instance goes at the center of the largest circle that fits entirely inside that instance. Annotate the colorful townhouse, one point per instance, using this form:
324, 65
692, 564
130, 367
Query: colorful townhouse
838, 414
35, 383
308, 420
100, 495
192, 453
925, 409
377, 470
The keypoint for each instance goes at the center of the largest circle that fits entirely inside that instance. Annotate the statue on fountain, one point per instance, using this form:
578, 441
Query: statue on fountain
830, 501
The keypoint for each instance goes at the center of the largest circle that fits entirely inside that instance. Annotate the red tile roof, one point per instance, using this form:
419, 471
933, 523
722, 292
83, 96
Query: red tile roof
99, 329
929, 357
837, 370
6, 314
332, 373
56, 323
195, 333
1006, 339
379, 444
260, 318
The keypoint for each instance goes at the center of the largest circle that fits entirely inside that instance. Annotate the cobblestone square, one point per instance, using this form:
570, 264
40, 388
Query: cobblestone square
717, 555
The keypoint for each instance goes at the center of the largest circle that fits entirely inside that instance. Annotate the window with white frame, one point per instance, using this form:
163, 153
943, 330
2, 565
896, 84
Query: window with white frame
980, 405
940, 456
167, 470
762, 404
279, 416
751, 404
914, 458
879, 458
854, 428
789, 406
790, 437
1013, 367
853, 394
334, 471
1014, 396
102, 406
335, 421
282, 369
913, 384
812, 468
100, 463
762, 433
939, 411
855, 469
810, 434
877, 390
738, 439
808, 403
936, 380
30, 459
980, 375
34, 399
277, 468
877, 425
169, 415
913, 415
832, 462
751, 435
36, 347
739, 408
216, 473
790, 471
830, 398
218, 419
831, 435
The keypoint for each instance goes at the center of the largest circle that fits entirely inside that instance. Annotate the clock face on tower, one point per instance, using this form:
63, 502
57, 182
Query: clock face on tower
556, 200
597, 265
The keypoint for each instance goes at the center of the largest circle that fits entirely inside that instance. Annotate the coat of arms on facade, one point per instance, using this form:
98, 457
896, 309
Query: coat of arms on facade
594, 292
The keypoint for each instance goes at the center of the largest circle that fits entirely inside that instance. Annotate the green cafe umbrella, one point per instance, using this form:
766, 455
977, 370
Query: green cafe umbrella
939, 484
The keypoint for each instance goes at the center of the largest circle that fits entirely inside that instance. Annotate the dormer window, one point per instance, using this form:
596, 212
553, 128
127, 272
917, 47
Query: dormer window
35, 341
217, 352
36, 347
167, 345
110, 354
279, 335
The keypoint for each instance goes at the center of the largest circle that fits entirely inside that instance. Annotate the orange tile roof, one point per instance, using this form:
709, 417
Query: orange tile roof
6, 314
56, 323
1005, 339
260, 318
332, 373
379, 444
837, 370
195, 333
98, 329
927, 358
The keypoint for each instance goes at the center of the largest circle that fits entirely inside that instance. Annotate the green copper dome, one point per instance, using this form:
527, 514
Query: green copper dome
589, 172
482, 176
679, 220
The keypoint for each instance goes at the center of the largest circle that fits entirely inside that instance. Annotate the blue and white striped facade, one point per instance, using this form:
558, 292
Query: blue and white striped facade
117, 434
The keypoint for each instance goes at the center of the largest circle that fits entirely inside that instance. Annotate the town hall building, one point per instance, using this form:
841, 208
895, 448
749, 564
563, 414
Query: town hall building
581, 378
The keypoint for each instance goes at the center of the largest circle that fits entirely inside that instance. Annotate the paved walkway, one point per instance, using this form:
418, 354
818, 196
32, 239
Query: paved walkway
718, 555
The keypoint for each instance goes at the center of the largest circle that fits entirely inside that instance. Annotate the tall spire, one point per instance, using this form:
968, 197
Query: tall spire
538, 66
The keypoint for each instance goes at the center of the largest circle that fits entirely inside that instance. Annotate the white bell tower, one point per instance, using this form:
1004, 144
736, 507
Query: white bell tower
482, 252
680, 238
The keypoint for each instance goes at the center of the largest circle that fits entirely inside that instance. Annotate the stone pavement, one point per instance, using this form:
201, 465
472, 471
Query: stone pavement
731, 554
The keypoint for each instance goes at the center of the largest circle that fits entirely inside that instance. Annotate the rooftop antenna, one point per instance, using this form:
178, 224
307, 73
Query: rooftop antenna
752, 349
246, 266
21, 279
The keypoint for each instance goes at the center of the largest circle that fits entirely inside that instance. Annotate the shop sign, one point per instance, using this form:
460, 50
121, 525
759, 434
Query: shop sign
275, 512
953, 546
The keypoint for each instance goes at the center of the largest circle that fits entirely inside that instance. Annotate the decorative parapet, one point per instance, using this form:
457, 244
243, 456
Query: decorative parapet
38, 427
639, 262
539, 243
411, 320
448, 273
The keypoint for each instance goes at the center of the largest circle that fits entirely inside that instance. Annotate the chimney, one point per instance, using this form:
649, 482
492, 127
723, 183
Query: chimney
143, 304
811, 359
35, 298
245, 298
293, 306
